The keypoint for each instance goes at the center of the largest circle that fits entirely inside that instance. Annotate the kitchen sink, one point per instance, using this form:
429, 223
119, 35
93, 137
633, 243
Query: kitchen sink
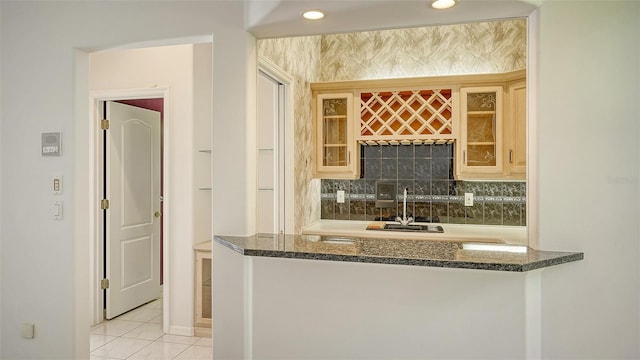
408, 228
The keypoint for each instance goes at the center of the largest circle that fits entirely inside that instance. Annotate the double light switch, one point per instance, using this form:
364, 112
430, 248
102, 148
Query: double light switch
55, 185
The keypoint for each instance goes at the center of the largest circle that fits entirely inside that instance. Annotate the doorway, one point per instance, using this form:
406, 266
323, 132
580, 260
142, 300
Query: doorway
128, 250
181, 75
274, 147
270, 214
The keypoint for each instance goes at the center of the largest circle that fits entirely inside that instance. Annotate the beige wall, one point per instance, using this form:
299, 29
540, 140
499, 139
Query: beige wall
485, 47
588, 153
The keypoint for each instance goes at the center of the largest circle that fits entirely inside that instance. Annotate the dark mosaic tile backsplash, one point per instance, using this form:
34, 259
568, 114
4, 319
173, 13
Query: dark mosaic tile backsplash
434, 194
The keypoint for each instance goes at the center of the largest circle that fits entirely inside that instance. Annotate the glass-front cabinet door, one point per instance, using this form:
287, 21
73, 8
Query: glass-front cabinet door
480, 148
203, 287
336, 155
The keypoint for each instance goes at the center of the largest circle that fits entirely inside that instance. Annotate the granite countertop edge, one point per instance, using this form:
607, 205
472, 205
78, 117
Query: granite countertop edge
560, 258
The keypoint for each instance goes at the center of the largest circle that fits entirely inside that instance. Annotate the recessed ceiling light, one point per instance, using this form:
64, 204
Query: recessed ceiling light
313, 14
443, 4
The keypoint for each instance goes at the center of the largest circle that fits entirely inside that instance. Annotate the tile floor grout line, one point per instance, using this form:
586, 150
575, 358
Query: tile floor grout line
132, 318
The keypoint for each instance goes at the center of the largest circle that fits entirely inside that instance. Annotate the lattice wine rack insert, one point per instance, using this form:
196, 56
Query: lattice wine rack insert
418, 114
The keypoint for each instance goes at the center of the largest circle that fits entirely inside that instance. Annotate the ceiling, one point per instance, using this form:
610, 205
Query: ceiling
281, 18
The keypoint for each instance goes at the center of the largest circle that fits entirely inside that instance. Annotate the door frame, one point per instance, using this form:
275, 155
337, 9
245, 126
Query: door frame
285, 176
96, 259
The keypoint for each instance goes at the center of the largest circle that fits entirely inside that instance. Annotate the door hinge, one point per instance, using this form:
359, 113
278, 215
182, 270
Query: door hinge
104, 124
104, 284
104, 204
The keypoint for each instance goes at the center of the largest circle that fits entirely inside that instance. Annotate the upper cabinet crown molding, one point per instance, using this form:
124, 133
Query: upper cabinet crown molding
447, 80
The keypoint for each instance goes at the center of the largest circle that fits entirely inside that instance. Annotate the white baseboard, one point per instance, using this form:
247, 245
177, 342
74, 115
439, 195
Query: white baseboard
181, 330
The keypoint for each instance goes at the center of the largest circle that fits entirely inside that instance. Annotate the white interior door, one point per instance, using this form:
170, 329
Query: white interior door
132, 221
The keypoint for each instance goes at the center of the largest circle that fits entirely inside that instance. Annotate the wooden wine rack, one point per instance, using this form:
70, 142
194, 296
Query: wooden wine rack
426, 115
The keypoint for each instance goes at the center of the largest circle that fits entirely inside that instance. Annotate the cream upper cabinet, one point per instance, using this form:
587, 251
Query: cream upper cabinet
483, 114
516, 131
337, 153
480, 146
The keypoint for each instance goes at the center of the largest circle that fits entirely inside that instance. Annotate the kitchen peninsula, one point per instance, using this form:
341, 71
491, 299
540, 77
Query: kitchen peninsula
314, 296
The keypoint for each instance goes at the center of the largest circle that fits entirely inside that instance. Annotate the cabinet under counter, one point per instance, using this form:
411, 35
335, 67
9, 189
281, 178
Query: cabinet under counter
202, 316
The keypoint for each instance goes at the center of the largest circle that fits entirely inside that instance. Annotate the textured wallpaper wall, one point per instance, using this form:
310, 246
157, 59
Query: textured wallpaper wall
484, 47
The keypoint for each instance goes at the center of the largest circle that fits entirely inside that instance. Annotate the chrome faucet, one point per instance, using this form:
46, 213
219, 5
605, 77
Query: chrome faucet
404, 220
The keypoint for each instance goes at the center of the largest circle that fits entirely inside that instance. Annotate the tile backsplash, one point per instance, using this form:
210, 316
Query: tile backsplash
434, 194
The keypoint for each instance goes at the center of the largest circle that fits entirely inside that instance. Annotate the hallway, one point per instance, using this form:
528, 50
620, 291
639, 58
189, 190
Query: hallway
138, 334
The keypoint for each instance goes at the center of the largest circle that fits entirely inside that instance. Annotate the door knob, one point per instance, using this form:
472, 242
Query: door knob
157, 214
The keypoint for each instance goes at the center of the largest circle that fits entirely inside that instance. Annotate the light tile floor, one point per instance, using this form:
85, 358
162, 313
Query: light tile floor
138, 334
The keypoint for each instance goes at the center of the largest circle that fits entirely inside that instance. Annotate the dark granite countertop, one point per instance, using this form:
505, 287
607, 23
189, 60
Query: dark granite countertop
443, 254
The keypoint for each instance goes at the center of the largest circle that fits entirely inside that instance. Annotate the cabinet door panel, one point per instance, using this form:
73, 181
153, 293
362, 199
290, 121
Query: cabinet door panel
518, 129
479, 153
335, 143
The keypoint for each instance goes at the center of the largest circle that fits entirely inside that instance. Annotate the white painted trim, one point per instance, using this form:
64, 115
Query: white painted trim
95, 183
267, 66
251, 166
119, 94
165, 42
274, 70
181, 331
95, 220
532, 128
82, 202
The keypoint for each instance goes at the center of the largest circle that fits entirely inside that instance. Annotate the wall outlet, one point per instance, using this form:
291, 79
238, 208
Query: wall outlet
27, 330
340, 197
468, 199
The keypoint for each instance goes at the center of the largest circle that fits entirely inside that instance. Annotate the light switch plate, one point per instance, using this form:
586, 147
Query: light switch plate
340, 197
56, 210
56, 184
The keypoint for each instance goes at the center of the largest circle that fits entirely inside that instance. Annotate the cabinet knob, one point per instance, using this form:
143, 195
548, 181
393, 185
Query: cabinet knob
157, 214
510, 156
